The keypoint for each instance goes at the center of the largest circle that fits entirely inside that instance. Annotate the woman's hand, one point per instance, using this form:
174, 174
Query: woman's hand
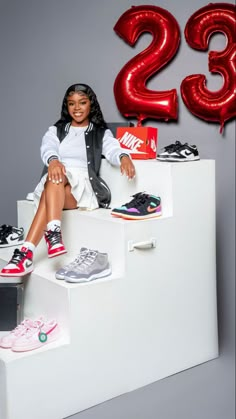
127, 167
56, 171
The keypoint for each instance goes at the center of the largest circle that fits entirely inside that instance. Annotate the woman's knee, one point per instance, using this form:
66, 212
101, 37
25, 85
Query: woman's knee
49, 183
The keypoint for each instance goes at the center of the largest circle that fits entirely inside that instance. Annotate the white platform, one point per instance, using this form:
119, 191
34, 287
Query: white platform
154, 316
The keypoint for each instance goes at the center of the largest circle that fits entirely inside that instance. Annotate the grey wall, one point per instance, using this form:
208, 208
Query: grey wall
49, 44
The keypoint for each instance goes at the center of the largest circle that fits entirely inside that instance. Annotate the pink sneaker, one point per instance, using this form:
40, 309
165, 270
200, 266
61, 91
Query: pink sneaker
54, 243
37, 337
8, 340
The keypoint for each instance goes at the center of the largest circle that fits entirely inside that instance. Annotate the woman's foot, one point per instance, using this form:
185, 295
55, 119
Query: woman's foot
54, 242
20, 264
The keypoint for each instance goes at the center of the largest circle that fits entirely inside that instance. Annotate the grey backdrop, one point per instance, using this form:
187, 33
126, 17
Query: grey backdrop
46, 46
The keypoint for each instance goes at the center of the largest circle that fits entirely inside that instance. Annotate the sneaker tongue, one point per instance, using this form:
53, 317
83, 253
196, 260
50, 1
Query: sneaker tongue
84, 249
24, 249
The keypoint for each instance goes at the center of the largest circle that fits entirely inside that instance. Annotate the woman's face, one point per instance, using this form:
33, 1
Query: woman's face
79, 109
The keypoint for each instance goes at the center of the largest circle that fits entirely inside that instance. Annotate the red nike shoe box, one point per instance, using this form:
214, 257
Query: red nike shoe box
140, 141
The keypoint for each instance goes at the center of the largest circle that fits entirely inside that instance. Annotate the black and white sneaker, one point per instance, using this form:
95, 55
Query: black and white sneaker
180, 153
11, 236
167, 150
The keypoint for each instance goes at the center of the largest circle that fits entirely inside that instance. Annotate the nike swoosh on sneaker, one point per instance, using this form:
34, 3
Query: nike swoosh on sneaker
12, 239
187, 153
151, 209
28, 264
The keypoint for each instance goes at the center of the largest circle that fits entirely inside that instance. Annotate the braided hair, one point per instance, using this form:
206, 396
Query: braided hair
95, 115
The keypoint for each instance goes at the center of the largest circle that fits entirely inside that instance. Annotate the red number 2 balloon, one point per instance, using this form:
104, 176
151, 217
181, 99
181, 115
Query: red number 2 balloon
218, 106
132, 96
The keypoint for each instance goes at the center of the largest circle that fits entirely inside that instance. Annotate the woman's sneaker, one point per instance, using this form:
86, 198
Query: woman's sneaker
95, 265
144, 207
20, 264
168, 150
37, 336
117, 212
54, 242
11, 236
60, 274
179, 153
8, 340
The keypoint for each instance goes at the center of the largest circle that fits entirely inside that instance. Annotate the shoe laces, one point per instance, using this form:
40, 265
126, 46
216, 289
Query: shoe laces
78, 260
54, 237
17, 257
88, 260
33, 327
141, 199
173, 147
5, 230
21, 327
136, 197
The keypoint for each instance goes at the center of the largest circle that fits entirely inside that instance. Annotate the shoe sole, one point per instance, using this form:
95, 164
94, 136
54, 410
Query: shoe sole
61, 252
12, 244
172, 159
115, 214
36, 344
5, 346
16, 275
103, 274
141, 217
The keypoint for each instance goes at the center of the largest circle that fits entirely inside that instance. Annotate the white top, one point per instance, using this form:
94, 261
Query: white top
72, 150
72, 153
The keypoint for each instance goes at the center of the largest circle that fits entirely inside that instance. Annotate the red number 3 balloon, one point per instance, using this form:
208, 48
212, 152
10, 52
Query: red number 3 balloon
132, 96
216, 106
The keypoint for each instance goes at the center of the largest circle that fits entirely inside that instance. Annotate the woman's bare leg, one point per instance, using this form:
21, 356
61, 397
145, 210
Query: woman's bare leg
54, 198
70, 201
39, 223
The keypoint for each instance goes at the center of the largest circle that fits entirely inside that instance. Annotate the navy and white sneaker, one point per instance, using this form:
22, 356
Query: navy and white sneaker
179, 153
11, 236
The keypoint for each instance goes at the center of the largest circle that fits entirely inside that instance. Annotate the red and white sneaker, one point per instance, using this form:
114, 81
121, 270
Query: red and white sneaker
36, 337
20, 264
54, 242
8, 340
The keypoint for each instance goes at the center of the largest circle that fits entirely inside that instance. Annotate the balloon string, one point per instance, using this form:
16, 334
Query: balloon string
139, 124
222, 127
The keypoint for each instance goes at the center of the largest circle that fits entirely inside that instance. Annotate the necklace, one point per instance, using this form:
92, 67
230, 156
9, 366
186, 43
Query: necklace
78, 131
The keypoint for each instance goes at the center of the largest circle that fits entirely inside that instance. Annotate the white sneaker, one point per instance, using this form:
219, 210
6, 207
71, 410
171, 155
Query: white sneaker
11, 236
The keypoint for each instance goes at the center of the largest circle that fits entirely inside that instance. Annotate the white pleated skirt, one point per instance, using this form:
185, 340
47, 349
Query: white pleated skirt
81, 188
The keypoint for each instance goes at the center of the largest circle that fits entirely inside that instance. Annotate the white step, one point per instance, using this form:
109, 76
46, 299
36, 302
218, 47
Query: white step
153, 317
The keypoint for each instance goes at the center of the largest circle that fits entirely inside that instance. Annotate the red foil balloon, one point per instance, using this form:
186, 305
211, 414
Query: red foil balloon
132, 96
218, 106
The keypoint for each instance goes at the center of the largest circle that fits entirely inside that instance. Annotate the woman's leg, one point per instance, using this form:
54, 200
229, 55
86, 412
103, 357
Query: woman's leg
70, 202
53, 199
39, 223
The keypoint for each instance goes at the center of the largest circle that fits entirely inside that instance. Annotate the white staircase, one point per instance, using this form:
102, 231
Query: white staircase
153, 317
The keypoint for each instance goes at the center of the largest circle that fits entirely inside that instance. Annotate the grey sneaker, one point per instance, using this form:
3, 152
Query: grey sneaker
60, 274
95, 265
